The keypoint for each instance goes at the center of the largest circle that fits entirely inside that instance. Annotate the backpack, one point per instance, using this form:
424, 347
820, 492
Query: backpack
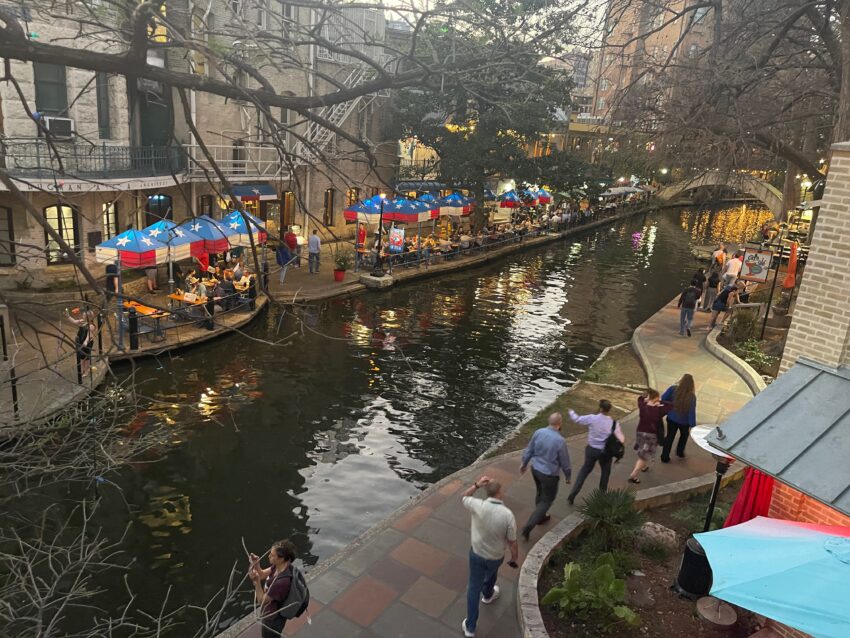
613, 446
298, 597
689, 297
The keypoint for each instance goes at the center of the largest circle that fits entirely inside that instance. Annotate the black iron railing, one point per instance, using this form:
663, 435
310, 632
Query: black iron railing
35, 158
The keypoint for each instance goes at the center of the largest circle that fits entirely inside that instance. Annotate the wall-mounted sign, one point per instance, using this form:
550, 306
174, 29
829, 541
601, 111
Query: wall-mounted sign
756, 265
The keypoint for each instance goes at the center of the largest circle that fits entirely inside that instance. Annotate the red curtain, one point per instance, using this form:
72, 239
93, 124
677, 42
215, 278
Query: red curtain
753, 499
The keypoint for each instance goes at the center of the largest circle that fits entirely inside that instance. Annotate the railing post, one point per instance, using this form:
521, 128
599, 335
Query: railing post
133, 322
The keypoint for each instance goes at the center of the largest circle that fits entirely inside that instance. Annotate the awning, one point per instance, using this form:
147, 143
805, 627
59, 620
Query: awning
255, 192
425, 185
798, 431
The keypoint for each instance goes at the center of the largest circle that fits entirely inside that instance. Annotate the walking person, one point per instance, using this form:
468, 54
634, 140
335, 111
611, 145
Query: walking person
688, 301
726, 298
547, 453
718, 258
682, 417
650, 430
732, 269
272, 585
86, 334
314, 249
599, 427
710, 290
283, 257
291, 240
493, 527
698, 279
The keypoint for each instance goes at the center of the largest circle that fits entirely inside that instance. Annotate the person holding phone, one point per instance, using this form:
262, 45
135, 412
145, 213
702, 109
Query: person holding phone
271, 585
493, 527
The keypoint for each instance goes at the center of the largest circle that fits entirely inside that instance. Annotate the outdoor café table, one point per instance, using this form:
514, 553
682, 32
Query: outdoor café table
151, 313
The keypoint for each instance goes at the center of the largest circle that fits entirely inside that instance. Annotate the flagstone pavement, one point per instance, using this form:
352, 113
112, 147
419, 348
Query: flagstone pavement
406, 578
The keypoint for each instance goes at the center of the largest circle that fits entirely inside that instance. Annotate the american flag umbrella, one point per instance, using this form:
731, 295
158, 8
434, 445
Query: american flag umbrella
182, 243
408, 211
215, 234
509, 200
363, 210
242, 232
454, 204
529, 197
134, 248
489, 195
544, 196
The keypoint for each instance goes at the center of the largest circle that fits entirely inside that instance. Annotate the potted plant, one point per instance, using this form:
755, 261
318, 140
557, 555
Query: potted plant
342, 262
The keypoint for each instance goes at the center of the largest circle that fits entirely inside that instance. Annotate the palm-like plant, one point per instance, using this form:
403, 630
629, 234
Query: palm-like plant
612, 517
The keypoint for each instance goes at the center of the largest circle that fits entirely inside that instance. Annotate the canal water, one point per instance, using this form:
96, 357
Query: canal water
317, 424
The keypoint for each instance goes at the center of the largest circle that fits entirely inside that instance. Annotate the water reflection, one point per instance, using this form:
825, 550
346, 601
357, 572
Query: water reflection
378, 396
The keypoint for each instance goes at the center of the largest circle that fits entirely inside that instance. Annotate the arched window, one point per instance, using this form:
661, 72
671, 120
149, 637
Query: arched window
328, 217
65, 221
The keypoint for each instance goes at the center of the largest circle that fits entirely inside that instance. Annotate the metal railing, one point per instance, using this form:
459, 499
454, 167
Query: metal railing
35, 158
417, 169
243, 160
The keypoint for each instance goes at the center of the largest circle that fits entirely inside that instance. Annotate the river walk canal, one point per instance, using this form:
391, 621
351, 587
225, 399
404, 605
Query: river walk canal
375, 397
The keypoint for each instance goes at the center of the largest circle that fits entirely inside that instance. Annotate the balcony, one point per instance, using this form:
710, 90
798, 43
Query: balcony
33, 158
417, 169
249, 160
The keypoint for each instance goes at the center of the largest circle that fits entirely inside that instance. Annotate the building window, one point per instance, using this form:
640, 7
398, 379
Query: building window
693, 50
288, 200
604, 84
205, 205
600, 104
199, 32
328, 217
65, 221
102, 89
110, 220
699, 14
352, 196
262, 14
288, 11
239, 157
158, 207
51, 93
236, 7
7, 237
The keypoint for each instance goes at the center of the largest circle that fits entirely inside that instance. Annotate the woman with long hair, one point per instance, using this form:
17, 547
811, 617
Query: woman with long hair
651, 410
682, 417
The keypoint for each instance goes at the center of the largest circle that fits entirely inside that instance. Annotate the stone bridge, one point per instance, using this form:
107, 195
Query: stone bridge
741, 182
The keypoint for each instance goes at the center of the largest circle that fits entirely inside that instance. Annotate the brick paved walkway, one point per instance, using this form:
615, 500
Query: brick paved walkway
407, 577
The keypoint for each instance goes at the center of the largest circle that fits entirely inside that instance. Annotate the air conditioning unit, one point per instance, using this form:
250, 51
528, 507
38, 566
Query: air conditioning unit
61, 128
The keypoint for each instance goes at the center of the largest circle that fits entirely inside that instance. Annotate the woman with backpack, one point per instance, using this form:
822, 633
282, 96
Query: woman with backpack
682, 417
600, 427
272, 585
688, 301
710, 290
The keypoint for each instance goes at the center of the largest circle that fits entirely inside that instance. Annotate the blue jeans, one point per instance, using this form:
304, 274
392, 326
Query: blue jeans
686, 318
313, 262
482, 579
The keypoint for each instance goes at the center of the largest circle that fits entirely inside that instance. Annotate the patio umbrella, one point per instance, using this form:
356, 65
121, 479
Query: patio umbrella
489, 195
795, 573
544, 196
454, 204
134, 248
214, 234
529, 197
181, 243
409, 211
241, 232
509, 200
364, 209
791, 274
753, 498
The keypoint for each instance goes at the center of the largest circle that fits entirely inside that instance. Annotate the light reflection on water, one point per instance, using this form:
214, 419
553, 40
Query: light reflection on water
322, 437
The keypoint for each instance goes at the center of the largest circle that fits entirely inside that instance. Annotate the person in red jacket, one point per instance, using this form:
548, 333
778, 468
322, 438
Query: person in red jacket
291, 240
650, 428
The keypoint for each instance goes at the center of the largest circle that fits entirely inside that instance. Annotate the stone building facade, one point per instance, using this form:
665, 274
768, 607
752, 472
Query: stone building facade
129, 157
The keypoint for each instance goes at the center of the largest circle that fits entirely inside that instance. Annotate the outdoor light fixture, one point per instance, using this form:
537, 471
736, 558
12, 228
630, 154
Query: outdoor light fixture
663, 171
806, 184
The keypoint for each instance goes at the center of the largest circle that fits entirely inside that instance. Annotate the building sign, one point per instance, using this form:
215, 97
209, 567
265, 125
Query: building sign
396, 240
756, 265
105, 185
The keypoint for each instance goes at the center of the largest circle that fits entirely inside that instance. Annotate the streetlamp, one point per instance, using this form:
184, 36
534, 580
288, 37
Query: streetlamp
378, 270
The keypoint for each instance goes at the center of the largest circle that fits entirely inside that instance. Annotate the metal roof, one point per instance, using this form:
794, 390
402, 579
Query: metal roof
797, 430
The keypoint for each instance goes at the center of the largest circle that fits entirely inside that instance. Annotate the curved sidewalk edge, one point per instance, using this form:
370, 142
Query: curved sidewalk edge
752, 378
528, 608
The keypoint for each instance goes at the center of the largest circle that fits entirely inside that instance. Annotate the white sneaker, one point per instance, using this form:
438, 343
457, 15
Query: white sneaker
496, 592
466, 632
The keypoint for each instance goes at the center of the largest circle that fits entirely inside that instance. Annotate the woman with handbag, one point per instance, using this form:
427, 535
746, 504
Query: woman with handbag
600, 427
650, 430
682, 417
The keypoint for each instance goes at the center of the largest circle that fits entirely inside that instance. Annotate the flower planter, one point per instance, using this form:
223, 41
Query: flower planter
339, 275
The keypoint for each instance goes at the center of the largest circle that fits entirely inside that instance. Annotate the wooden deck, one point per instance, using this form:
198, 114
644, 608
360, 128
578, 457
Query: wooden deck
186, 334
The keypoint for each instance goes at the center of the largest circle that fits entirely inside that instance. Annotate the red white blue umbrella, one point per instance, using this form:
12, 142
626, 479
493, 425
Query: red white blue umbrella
214, 234
134, 248
409, 211
455, 205
489, 195
544, 196
529, 197
242, 232
509, 200
181, 242
363, 210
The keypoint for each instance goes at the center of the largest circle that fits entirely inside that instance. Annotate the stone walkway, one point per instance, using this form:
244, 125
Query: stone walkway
406, 578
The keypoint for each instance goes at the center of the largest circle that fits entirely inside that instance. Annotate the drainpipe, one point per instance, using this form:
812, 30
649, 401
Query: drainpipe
311, 87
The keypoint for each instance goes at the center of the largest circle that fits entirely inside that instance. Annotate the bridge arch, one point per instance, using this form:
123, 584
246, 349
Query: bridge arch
741, 182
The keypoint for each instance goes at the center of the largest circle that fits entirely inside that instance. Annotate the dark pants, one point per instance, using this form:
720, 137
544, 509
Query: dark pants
547, 490
591, 456
272, 626
482, 580
672, 428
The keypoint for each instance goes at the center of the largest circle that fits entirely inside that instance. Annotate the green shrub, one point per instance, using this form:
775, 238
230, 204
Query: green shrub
592, 595
743, 325
750, 351
612, 518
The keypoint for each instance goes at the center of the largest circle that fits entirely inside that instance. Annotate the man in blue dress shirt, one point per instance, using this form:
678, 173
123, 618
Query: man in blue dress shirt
547, 452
